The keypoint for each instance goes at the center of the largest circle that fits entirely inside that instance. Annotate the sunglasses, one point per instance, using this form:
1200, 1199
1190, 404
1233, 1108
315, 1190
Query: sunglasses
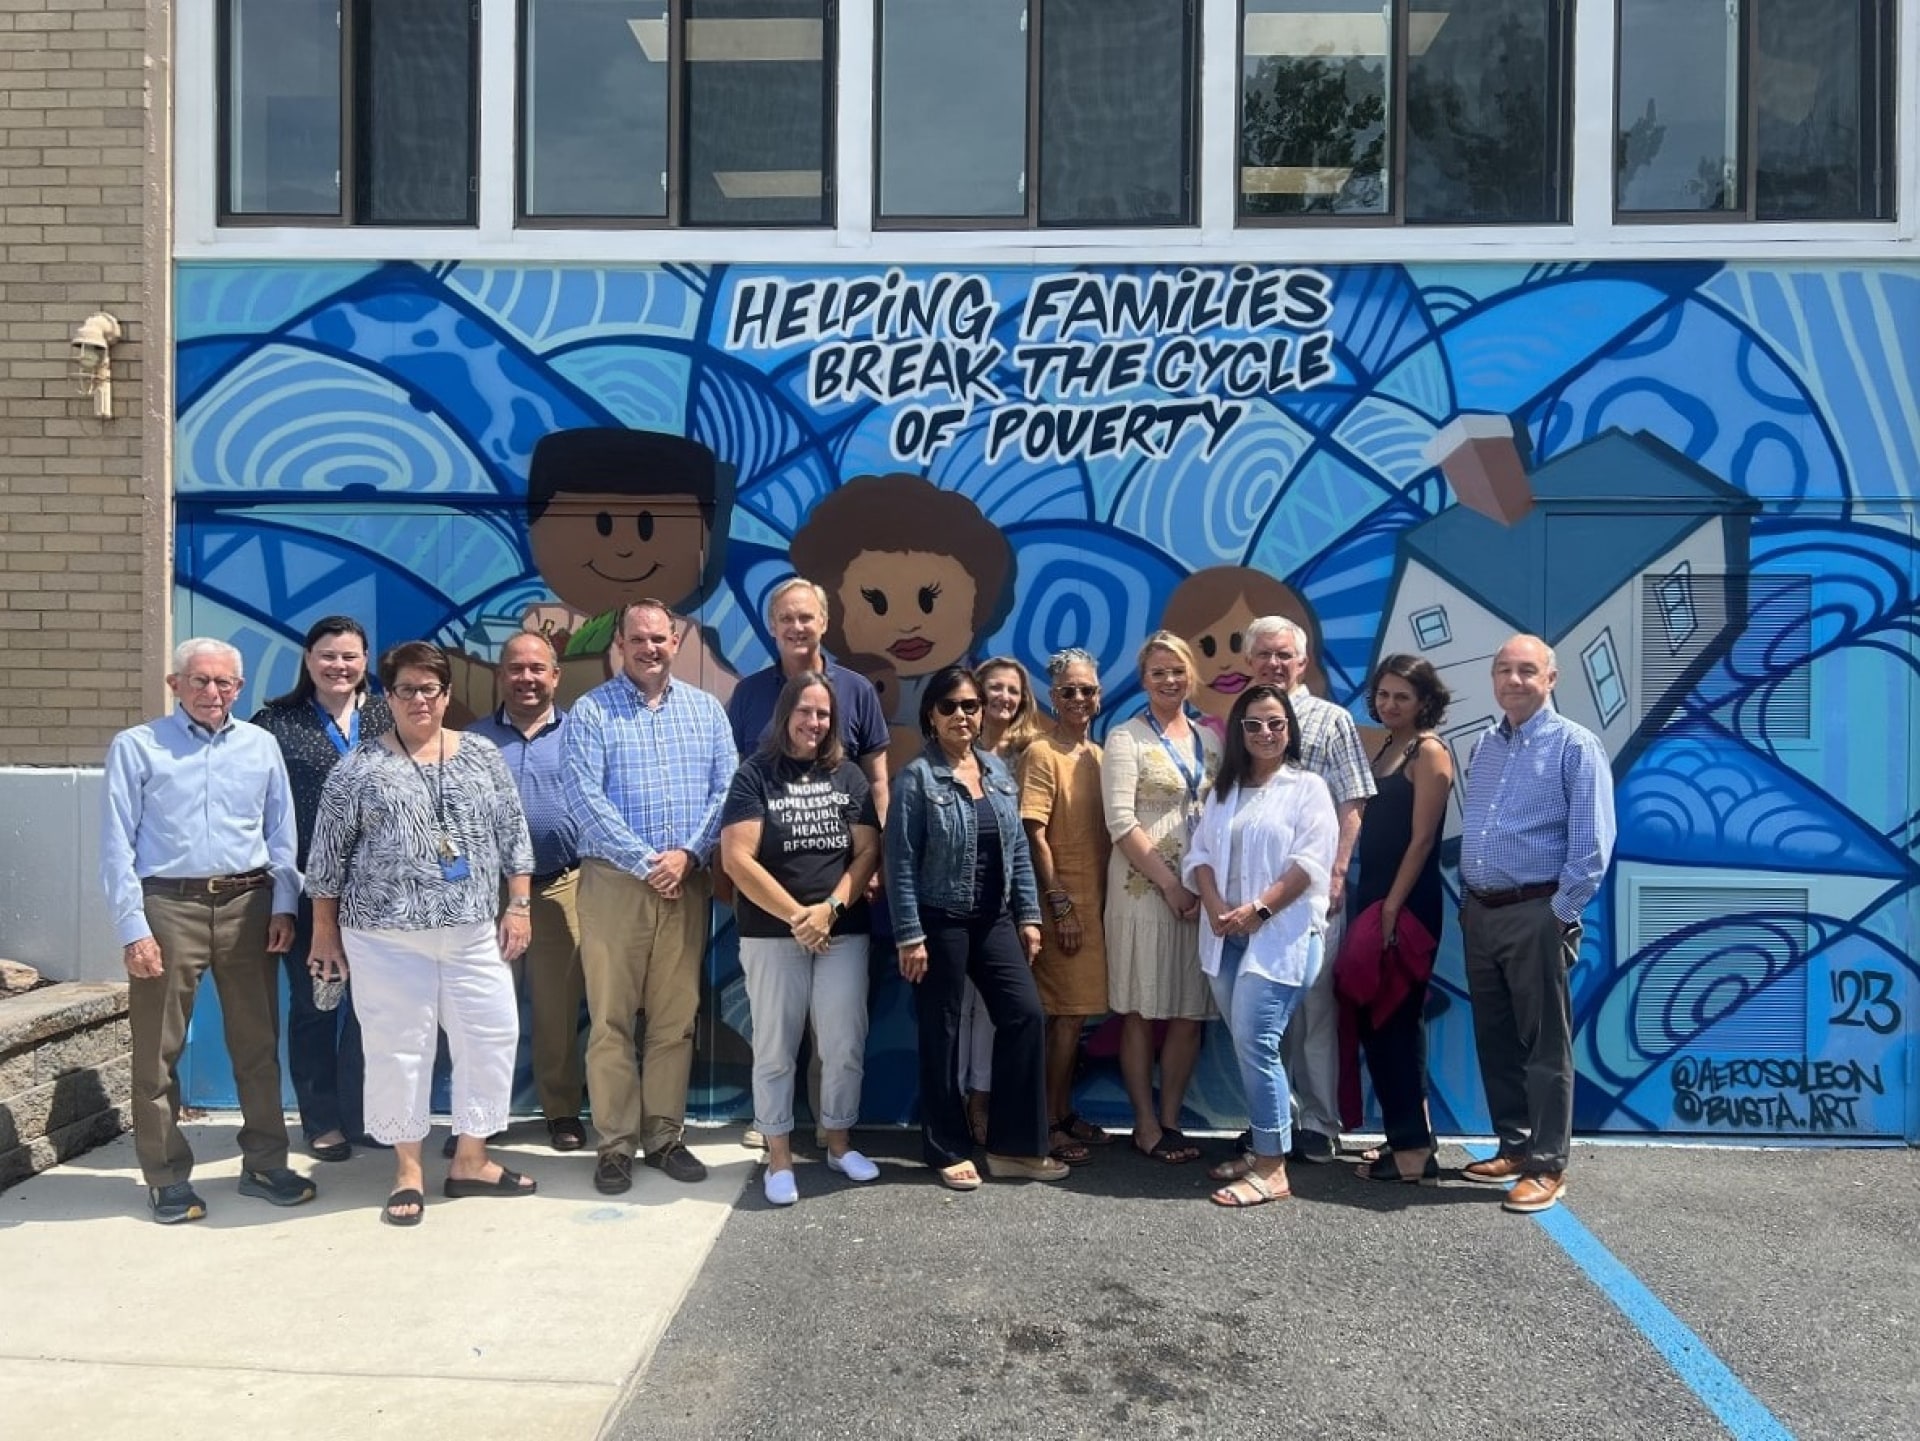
1076, 692
964, 707
1253, 725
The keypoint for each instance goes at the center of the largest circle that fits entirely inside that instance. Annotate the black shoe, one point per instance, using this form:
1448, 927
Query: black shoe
566, 1133
1312, 1148
176, 1203
1384, 1168
368, 1141
341, 1150
281, 1186
677, 1163
452, 1143
613, 1174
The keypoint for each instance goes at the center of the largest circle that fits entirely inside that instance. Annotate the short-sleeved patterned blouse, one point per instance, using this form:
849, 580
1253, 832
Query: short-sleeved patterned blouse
375, 842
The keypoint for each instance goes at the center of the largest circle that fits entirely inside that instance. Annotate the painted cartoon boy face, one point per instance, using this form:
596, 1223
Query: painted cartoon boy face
914, 607
1220, 655
597, 550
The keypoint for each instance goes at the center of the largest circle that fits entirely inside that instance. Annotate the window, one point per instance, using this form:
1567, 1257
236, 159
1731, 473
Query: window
1673, 594
1430, 627
1425, 112
1755, 109
348, 111
1036, 112
687, 112
1603, 677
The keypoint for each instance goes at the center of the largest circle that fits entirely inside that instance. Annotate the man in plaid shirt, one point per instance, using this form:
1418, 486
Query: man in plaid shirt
648, 760
1278, 652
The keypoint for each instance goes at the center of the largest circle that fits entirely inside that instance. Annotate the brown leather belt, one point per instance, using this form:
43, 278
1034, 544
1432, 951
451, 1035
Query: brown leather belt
203, 886
1494, 900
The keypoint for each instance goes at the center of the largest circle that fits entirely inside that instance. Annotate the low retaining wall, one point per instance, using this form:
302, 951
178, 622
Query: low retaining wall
66, 1070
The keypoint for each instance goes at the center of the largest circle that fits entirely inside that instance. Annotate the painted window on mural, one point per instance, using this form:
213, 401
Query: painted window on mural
1423, 111
352, 113
1603, 675
1756, 109
702, 112
1678, 617
1057, 112
1430, 627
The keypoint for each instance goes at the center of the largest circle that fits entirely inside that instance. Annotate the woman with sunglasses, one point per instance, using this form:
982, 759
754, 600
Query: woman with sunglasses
960, 883
1067, 829
415, 836
1260, 862
1009, 723
327, 715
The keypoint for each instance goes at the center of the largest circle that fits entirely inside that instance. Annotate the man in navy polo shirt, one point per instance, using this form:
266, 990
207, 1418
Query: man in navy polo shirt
530, 731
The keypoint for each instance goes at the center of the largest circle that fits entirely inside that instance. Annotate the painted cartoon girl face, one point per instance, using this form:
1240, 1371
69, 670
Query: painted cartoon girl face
914, 607
1220, 653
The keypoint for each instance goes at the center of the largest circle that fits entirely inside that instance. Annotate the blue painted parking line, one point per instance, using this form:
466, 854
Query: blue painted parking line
1705, 1374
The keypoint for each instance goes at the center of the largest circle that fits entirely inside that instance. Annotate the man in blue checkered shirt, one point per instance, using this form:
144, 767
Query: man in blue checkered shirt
1536, 835
648, 762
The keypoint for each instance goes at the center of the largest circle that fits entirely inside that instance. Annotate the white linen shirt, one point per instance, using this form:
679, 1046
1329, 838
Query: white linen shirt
1295, 826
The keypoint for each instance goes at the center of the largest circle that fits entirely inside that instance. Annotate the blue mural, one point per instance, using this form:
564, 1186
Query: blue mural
1714, 526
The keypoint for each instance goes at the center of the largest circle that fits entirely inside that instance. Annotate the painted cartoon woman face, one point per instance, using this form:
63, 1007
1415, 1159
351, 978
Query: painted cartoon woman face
914, 607
1220, 653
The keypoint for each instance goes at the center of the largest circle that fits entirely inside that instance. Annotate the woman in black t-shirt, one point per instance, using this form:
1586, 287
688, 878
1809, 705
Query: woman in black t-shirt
800, 840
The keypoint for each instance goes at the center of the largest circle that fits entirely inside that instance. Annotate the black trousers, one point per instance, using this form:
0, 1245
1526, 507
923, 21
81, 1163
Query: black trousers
987, 952
1396, 1053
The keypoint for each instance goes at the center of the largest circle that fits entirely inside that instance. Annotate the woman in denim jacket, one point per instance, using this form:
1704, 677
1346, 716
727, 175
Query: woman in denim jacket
960, 883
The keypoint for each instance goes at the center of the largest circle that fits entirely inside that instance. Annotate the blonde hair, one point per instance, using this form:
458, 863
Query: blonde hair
1025, 727
1167, 641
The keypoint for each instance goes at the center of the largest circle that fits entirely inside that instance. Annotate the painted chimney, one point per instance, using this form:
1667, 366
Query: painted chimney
1482, 460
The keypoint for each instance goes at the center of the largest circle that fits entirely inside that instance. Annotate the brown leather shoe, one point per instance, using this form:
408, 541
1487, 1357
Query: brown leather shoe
1496, 1171
677, 1163
1536, 1193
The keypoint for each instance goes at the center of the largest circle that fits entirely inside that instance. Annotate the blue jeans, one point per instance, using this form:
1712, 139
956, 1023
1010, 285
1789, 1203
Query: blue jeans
1257, 1011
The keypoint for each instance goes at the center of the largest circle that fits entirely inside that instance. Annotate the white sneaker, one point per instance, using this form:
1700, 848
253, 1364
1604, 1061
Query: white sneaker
780, 1187
854, 1166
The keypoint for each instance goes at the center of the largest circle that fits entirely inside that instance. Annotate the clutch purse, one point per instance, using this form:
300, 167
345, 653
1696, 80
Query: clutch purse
327, 994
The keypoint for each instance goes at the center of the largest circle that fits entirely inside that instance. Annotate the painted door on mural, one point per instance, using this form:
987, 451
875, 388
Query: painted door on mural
1695, 480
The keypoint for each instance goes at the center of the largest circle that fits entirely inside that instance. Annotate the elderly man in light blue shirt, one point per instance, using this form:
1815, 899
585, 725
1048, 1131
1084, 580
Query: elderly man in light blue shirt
197, 857
1536, 835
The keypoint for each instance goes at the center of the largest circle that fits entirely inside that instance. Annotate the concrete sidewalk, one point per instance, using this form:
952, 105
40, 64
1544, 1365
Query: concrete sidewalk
494, 1318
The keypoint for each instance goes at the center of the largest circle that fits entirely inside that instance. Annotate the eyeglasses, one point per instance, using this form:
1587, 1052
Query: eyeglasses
225, 684
1269, 657
964, 707
1076, 692
1255, 725
420, 692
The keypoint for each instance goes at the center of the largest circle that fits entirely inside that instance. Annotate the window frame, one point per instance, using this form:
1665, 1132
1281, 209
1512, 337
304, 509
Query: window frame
1029, 218
346, 217
1564, 123
1882, 67
679, 138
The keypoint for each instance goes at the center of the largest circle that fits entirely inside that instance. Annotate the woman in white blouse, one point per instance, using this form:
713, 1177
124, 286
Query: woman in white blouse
1260, 862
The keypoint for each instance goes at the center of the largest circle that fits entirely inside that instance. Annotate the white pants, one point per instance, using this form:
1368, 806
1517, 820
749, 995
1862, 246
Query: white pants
786, 982
976, 1042
1311, 1048
407, 984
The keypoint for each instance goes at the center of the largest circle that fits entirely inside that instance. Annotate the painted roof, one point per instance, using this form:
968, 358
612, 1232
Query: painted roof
1603, 512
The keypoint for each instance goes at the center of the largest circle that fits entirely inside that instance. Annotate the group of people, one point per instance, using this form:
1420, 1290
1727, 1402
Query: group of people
1027, 879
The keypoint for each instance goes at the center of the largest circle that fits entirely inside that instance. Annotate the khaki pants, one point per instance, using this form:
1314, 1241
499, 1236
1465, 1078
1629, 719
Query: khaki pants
229, 934
556, 987
640, 953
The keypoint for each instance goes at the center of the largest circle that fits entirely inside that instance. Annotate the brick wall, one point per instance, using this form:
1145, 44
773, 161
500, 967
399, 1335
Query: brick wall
81, 600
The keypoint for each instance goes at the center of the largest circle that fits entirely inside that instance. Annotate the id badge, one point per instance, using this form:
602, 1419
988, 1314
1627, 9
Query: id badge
453, 865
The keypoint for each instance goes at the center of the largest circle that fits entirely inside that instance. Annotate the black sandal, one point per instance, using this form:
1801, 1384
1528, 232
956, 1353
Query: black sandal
407, 1197
1385, 1168
1173, 1148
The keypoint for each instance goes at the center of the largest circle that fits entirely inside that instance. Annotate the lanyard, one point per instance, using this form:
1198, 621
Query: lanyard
343, 741
443, 842
1191, 777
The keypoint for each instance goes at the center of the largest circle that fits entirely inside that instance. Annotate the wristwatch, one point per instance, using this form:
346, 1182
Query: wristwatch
836, 907
1262, 911
520, 903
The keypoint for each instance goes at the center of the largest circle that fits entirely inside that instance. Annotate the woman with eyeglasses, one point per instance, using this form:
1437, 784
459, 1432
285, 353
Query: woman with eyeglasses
1158, 767
1260, 862
415, 835
1067, 828
1009, 723
960, 883
329, 712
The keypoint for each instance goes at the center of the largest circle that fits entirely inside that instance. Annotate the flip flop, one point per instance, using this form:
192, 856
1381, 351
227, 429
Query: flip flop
1172, 1147
407, 1197
509, 1184
1263, 1192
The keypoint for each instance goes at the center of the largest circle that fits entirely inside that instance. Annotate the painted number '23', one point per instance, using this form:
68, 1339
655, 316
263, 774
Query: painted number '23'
1865, 998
